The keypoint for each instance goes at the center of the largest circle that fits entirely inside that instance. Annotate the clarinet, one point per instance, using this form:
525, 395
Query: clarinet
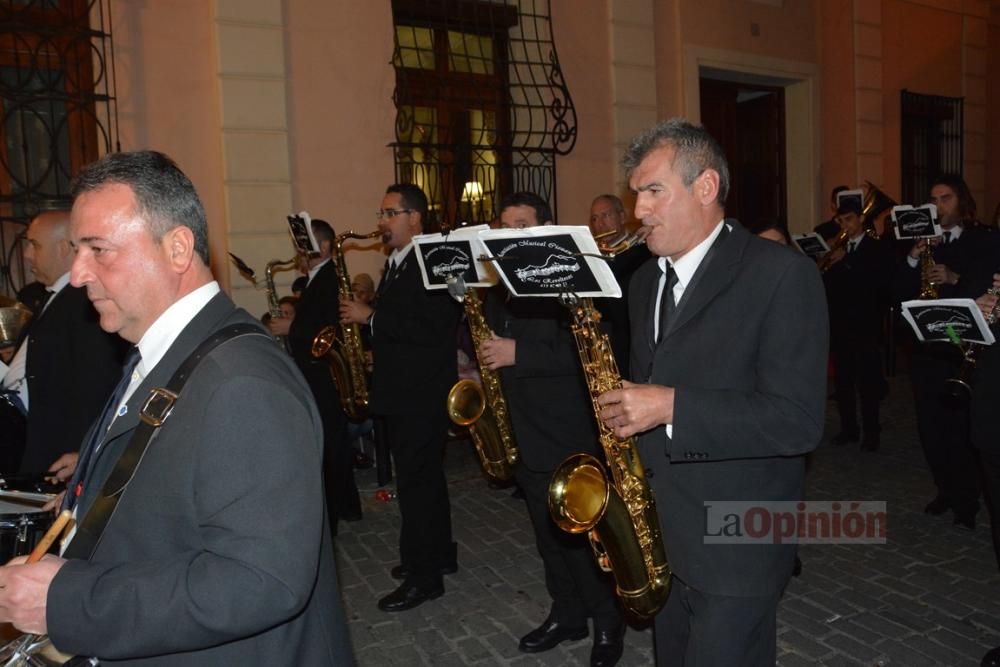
960, 386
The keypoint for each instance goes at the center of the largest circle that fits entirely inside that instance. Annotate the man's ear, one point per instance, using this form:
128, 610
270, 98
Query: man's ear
179, 246
706, 187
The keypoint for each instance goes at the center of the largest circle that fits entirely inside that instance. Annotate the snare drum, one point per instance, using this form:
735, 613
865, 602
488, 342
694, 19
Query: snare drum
21, 527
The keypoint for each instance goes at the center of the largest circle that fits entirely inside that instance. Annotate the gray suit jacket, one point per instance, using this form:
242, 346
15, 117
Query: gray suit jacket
218, 553
746, 350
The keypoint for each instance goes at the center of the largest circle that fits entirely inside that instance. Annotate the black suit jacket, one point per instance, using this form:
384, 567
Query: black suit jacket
72, 367
746, 350
857, 291
218, 553
414, 345
972, 255
318, 307
547, 398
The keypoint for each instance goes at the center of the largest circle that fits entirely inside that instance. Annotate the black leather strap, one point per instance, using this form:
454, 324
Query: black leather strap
154, 413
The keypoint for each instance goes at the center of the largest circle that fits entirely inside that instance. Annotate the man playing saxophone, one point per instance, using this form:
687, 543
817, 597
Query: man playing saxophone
316, 309
728, 362
552, 418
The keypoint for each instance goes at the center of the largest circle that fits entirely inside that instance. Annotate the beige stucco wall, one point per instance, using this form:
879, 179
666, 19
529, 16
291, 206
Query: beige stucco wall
304, 87
167, 95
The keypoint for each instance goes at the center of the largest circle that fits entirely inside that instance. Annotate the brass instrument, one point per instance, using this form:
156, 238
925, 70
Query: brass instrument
624, 240
273, 306
960, 386
928, 290
839, 241
619, 514
482, 407
875, 204
344, 352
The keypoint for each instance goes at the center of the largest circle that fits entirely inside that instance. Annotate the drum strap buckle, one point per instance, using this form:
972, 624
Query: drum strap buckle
157, 407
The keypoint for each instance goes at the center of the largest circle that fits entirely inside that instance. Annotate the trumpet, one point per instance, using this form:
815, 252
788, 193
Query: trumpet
838, 242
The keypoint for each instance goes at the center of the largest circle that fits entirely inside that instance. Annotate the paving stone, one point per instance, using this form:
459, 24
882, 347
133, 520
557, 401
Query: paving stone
929, 597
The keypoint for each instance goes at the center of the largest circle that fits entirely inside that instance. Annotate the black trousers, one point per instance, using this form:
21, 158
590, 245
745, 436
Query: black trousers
342, 498
578, 588
417, 446
858, 369
697, 629
943, 428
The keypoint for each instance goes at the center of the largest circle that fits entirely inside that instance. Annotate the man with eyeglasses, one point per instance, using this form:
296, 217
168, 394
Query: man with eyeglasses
607, 217
413, 346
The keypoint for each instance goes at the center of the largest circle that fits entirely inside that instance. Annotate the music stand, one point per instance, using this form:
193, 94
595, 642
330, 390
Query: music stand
550, 261
953, 320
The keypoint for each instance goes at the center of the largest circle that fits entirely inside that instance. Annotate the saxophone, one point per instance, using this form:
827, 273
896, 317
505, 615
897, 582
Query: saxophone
482, 407
619, 514
273, 306
345, 354
928, 290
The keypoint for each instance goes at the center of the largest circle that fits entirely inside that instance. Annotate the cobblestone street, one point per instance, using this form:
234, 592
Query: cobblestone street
930, 596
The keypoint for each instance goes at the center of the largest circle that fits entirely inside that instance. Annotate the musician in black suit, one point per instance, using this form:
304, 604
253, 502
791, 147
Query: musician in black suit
218, 552
728, 393
316, 309
829, 229
857, 281
962, 268
415, 365
607, 217
552, 418
66, 365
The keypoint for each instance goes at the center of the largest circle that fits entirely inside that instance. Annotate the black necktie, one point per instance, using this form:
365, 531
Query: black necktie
947, 238
388, 273
666, 300
90, 448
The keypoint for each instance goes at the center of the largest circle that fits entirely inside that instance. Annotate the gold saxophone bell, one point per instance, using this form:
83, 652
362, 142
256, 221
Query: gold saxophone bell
466, 402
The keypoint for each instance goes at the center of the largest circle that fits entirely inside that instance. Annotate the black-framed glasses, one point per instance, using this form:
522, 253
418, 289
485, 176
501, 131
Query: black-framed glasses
390, 213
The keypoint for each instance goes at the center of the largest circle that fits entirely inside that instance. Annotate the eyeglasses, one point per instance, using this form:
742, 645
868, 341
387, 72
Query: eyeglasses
390, 213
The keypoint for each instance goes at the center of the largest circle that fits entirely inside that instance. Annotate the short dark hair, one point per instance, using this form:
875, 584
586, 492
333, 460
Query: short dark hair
543, 212
165, 197
966, 202
765, 224
322, 230
300, 284
412, 197
850, 206
695, 150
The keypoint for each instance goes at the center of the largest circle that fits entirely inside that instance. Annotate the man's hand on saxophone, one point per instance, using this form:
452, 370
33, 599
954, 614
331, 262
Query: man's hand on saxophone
279, 326
355, 312
636, 408
499, 352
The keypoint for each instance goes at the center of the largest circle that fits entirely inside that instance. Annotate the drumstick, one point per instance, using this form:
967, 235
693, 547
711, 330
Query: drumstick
50, 536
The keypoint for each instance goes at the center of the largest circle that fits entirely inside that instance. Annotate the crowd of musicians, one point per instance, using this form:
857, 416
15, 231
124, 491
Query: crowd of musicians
206, 468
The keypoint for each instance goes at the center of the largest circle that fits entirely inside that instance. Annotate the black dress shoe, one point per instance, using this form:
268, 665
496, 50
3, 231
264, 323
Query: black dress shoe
608, 647
549, 635
992, 658
844, 437
408, 596
402, 572
938, 506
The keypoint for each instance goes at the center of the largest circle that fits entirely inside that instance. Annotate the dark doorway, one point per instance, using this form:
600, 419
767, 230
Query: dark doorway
749, 121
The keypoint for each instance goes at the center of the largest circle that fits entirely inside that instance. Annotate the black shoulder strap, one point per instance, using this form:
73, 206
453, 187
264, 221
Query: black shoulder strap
154, 413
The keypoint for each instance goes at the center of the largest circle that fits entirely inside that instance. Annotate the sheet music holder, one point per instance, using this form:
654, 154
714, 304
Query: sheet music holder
812, 245
552, 260
941, 319
915, 222
854, 198
453, 256
300, 227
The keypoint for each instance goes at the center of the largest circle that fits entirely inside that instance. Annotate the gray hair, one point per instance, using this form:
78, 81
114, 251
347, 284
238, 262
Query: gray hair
695, 150
166, 198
